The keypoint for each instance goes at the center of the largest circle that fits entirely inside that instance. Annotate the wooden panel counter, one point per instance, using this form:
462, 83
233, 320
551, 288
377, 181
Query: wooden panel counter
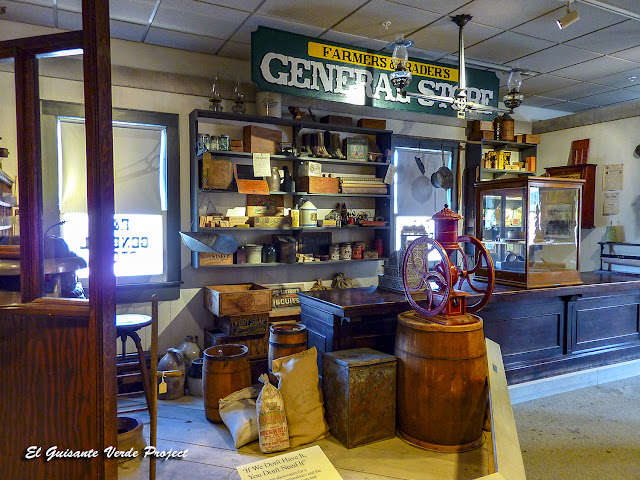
542, 332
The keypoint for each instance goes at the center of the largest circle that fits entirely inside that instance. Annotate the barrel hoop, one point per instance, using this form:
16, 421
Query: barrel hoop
441, 358
288, 345
224, 373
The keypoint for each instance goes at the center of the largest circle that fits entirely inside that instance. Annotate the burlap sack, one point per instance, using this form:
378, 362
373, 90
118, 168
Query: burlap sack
298, 382
238, 412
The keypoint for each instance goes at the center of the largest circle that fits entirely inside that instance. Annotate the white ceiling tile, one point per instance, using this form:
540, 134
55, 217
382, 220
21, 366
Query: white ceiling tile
183, 41
132, 11
544, 83
443, 7
442, 36
635, 87
320, 13
553, 58
506, 14
366, 21
71, 5
620, 79
591, 19
27, 13
69, 20
251, 25
356, 40
505, 47
127, 31
239, 51
198, 18
611, 39
246, 5
579, 90
597, 67
610, 98
632, 54
572, 107
540, 101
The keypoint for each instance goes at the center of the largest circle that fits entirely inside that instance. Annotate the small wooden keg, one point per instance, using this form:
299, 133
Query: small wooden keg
226, 369
286, 339
442, 382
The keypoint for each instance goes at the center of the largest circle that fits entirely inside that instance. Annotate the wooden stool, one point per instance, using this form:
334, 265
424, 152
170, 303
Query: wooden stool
127, 325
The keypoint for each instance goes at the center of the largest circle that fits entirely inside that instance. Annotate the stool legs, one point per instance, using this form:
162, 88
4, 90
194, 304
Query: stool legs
146, 383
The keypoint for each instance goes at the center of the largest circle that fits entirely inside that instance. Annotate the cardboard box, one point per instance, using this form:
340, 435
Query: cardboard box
236, 221
531, 138
337, 120
265, 205
243, 325
372, 123
211, 259
216, 174
261, 140
285, 296
270, 222
239, 299
370, 254
355, 149
318, 184
258, 345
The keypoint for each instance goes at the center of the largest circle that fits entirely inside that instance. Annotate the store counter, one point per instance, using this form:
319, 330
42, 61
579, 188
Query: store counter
542, 332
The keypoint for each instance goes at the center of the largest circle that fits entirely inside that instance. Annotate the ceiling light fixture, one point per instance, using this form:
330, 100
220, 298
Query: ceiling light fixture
568, 19
401, 77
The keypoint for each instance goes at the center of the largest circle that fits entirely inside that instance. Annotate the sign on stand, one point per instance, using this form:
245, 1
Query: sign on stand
307, 464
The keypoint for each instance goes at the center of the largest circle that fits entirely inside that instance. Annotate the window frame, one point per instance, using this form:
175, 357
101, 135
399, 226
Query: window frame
128, 292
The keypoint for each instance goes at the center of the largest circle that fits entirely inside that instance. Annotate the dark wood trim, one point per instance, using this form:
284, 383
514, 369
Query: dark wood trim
30, 178
42, 45
100, 207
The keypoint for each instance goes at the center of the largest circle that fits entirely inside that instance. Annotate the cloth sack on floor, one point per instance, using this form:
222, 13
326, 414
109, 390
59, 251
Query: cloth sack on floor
238, 412
298, 382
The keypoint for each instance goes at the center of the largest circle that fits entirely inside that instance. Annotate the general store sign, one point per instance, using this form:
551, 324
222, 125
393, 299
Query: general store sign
297, 65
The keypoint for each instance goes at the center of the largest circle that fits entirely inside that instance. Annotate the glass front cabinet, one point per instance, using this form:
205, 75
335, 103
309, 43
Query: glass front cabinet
531, 228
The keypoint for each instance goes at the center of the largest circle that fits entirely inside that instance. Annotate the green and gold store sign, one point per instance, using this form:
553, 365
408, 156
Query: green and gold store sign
298, 65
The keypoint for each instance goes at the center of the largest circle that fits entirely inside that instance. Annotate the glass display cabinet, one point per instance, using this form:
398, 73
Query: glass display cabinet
531, 227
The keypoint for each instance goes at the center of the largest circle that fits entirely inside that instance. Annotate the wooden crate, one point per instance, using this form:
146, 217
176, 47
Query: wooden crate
531, 138
477, 125
243, 325
261, 140
210, 259
318, 184
258, 345
372, 123
239, 299
482, 135
216, 174
359, 391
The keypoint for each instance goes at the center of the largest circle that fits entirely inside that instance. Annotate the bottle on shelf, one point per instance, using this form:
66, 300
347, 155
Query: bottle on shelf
295, 216
287, 184
274, 180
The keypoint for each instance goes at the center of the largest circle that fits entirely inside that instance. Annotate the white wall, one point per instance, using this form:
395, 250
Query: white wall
610, 143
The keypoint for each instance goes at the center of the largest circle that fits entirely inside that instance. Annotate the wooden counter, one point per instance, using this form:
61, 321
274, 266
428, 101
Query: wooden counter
542, 332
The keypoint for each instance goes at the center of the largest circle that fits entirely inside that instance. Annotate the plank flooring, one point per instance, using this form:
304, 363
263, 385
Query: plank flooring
212, 455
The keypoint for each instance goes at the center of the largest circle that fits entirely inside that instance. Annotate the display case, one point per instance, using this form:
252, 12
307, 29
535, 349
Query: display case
531, 227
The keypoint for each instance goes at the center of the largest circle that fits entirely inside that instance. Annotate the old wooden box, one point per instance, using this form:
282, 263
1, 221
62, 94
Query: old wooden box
337, 120
482, 135
355, 149
372, 123
243, 325
211, 259
265, 205
258, 345
216, 174
531, 138
237, 299
261, 140
270, 222
359, 389
477, 125
318, 184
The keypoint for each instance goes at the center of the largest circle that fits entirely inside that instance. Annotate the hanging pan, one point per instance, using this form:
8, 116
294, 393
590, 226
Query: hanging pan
443, 177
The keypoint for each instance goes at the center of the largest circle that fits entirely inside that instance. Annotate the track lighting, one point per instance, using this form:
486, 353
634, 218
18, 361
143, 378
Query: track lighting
568, 19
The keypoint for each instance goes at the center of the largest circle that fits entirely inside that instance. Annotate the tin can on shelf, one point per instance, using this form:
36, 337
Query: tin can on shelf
356, 250
378, 244
334, 252
345, 251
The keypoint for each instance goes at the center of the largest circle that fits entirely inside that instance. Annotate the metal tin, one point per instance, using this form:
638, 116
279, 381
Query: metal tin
334, 252
254, 253
359, 391
356, 250
378, 244
345, 251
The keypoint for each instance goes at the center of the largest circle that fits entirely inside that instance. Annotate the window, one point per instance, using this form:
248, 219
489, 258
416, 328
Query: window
146, 184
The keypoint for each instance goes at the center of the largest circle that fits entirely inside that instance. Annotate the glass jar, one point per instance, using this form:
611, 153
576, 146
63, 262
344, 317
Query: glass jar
214, 143
224, 143
345, 251
334, 252
269, 253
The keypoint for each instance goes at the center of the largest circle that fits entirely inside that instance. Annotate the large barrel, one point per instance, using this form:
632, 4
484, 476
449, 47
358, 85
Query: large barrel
286, 339
442, 383
226, 369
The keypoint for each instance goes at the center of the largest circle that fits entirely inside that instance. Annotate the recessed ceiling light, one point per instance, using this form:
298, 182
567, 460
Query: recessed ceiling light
632, 78
385, 24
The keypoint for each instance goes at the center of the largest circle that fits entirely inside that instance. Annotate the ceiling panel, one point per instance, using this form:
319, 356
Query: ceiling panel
243, 35
69, 20
544, 83
631, 5
506, 14
443, 7
198, 18
572, 107
442, 36
574, 92
28, 13
246, 5
505, 47
366, 21
127, 31
597, 67
540, 101
553, 58
183, 41
319, 13
239, 51
609, 98
133, 11
591, 19
357, 41
611, 39
632, 54
621, 79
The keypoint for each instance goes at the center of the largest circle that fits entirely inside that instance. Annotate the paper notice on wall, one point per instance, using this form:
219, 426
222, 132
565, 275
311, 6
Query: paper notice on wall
391, 171
612, 177
307, 464
261, 164
611, 205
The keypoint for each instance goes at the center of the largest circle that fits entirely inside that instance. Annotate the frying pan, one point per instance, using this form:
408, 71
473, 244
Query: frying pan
443, 177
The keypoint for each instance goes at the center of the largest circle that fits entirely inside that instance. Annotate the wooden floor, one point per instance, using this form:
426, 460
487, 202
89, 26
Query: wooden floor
212, 456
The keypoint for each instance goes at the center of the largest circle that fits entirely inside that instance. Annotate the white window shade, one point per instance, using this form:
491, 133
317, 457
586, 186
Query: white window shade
138, 162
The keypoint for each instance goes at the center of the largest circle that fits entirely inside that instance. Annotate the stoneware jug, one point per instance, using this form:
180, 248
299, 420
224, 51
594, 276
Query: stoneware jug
173, 360
190, 350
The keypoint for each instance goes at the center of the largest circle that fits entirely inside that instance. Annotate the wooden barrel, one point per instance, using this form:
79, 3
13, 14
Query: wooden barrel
286, 339
226, 369
442, 383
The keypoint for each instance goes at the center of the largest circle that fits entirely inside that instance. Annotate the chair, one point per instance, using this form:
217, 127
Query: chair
127, 326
